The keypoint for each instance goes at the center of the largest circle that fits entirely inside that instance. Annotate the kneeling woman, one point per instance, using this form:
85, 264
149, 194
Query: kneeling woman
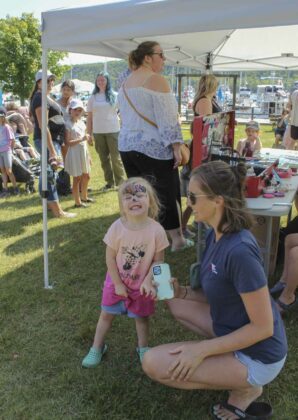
246, 346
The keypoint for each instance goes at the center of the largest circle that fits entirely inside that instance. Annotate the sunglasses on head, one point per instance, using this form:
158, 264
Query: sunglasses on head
193, 197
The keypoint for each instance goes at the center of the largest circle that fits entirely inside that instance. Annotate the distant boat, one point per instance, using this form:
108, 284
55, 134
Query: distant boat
244, 92
271, 99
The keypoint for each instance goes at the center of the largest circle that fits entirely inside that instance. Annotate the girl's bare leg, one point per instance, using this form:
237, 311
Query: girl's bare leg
142, 327
76, 190
84, 186
103, 326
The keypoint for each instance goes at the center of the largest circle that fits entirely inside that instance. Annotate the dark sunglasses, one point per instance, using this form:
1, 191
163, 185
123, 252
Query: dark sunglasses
193, 197
161, 54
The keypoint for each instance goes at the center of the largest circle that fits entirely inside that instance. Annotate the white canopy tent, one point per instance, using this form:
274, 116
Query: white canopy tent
209, 35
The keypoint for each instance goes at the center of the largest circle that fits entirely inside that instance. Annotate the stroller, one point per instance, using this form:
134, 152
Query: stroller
24, 172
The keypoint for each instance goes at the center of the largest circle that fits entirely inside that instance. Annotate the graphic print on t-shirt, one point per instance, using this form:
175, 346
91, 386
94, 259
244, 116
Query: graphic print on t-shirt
132, 255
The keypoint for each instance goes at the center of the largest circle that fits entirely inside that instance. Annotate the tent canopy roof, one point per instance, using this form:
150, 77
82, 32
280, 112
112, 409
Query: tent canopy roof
239, 36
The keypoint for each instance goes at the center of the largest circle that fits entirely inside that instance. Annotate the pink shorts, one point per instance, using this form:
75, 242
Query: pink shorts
135, 303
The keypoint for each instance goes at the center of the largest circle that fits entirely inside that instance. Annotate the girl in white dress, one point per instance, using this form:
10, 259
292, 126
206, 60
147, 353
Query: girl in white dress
77, 161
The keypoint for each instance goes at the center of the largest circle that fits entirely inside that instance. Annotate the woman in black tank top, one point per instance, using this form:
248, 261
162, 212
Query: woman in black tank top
205, 101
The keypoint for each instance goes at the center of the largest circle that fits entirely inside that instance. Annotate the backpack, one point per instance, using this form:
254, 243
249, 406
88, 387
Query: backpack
63, 183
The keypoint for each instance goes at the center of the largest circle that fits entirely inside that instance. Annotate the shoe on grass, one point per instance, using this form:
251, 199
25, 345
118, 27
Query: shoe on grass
188, 234
106, 187
141, 352
16, 191
94, 357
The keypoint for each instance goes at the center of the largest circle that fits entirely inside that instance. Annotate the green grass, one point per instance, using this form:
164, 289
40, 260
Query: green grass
45, 333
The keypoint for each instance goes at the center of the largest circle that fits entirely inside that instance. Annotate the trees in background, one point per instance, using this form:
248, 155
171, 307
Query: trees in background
20, 55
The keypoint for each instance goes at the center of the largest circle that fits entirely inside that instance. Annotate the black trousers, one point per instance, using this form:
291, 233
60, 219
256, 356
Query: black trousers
163, 178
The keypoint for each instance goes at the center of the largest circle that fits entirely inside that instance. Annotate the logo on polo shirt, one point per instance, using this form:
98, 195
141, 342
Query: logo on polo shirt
213, 269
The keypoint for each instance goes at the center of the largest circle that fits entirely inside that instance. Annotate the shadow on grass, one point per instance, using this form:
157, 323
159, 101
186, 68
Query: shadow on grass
14, 227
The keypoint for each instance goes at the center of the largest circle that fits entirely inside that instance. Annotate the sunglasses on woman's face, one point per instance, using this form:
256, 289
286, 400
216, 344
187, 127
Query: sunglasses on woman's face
161, 54
193, 197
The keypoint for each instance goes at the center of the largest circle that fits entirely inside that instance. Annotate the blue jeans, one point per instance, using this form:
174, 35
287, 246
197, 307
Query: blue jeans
52, 175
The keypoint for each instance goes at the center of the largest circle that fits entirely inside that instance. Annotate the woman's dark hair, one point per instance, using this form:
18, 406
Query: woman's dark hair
110, 94
217, 178
136, 57
35, 89
68, 83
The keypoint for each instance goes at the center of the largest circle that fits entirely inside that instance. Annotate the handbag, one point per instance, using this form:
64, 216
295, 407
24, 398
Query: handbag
185, 152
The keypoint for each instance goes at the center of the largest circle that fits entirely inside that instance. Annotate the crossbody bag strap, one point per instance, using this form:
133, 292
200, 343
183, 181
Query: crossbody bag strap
135, 109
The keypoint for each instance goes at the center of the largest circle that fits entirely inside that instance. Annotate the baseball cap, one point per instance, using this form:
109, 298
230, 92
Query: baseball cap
2, 112
38, 75
76, 103
253, 124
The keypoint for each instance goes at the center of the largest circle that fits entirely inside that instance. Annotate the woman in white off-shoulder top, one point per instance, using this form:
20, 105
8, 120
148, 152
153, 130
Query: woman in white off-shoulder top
150, 135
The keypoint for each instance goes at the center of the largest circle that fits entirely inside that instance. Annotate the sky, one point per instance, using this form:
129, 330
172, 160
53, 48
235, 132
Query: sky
17, 7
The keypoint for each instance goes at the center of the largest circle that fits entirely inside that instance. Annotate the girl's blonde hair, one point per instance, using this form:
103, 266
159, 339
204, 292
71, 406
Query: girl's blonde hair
207, 84
154, 204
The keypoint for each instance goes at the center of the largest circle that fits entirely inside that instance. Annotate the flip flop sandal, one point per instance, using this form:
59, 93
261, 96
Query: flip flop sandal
284, 307
256, 410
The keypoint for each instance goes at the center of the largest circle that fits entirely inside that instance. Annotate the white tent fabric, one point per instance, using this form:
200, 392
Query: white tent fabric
192, 33
189, 31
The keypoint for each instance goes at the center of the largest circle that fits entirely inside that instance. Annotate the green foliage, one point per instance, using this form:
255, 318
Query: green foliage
20, 54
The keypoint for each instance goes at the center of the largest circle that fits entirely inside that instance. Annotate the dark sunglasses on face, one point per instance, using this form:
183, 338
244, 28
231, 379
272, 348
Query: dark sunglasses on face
193, 197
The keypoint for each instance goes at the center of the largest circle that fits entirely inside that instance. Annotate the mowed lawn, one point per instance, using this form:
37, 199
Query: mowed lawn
44, 334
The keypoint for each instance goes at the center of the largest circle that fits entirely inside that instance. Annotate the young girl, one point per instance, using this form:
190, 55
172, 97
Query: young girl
134, 242
6, 148
77, 160
251, 145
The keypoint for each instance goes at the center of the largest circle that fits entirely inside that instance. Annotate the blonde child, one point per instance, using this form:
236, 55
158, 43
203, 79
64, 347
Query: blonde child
77, 160
251, 145
133, 243
7, 141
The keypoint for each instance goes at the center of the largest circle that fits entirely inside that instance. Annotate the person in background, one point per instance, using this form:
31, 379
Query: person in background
77, 161
55, 137
246, 345
287, 285
19, 117
6, 148
280, 129
67, 93
184, 182
150, 135
251, 145
133, 243
204, 102
103, 125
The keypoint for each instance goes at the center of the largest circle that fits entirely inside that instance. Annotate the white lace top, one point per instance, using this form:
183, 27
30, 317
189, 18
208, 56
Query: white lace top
138, 135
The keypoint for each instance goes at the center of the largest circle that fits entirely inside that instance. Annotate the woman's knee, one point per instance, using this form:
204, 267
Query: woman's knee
150, 364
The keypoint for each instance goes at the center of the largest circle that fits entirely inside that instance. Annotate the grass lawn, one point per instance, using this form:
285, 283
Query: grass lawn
45, 333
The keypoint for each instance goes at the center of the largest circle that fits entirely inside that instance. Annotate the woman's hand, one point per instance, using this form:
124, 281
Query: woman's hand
121, 290
189, 357
177, 156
